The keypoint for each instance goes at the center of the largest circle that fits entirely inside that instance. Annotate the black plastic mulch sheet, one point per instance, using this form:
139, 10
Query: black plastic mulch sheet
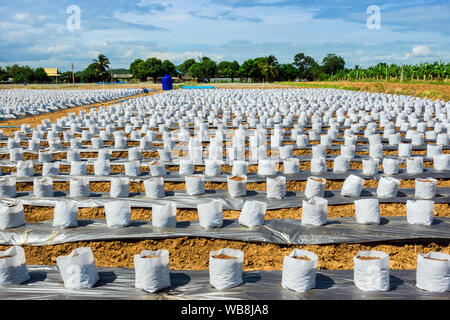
182, 200
117, 283
251, 177
277, 231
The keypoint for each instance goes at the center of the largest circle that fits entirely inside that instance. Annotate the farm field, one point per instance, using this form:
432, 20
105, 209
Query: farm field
163, 118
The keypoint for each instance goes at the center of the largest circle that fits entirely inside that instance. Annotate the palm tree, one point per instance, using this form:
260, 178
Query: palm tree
269, 68
101, 65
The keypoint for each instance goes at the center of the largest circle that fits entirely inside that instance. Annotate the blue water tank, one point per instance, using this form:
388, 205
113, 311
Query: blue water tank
167, 82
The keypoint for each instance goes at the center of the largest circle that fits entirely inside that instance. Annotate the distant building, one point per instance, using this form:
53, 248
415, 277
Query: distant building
52, 72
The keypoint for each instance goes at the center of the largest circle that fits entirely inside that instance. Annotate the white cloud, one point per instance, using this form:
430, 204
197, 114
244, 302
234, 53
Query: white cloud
421, 51
182, 56
21, 16
58, 49
128, 53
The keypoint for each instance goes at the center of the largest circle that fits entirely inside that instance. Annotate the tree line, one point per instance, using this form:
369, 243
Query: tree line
260, 69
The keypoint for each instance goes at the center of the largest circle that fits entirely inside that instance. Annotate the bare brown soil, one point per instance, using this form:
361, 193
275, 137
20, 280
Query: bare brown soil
223, 256
367, 258
303, 258
193, 253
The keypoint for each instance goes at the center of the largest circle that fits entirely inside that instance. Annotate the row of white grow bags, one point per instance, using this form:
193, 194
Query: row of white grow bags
152, 271
19, 102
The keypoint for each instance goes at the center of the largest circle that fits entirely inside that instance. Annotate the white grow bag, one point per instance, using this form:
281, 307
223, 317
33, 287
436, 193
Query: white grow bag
8, 188
195, 184
210, 214
314, 211
13, 269
237, 186
419, 212
433, 271
425, 188
252, 213
78, 269
120, 187
373, 274
291, 165
226, 273
387, 187
154, 188
65, 214
352, 186
164, 215
118, 214
367, 211
79, 187
315, 186
152, 270
299, 274
43, 187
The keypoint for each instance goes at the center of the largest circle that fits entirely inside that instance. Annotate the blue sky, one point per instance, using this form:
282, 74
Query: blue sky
35, 32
